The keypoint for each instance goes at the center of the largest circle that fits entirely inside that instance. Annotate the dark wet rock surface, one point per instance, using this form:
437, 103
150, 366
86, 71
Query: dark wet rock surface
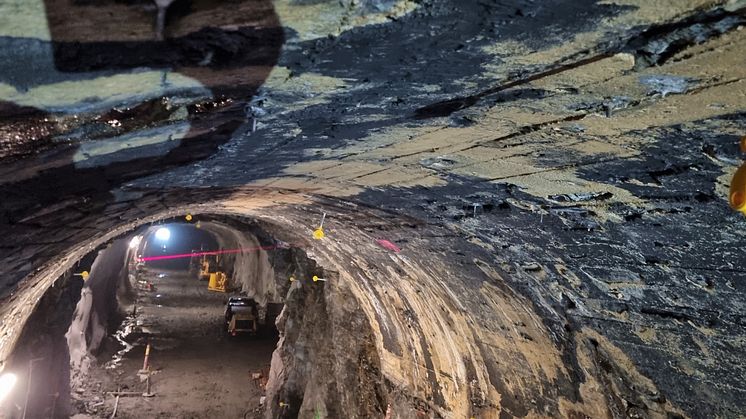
659, 275
669, 268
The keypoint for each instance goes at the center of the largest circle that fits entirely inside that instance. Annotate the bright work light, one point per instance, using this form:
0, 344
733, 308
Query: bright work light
163, 234
7, 382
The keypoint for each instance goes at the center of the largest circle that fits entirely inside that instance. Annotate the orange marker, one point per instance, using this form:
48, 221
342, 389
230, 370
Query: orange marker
737, 195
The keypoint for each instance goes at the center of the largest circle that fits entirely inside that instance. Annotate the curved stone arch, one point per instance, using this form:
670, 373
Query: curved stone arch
411, 329
32, 287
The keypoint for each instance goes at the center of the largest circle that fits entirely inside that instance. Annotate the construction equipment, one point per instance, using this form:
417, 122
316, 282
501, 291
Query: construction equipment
241, 315
217, 282
204, 272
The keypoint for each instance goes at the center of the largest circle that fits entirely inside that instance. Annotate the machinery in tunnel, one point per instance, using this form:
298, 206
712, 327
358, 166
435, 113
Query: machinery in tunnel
241, 315
142, 293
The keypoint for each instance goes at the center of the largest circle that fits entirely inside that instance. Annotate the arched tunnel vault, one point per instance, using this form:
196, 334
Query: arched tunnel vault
417, 329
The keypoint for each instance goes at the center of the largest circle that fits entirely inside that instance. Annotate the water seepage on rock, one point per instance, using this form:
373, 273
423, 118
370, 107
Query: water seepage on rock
664, 84
581, 197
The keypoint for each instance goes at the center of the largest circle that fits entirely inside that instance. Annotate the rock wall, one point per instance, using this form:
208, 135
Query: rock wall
442, 328
249, 270
41, 355
326, 364
98, 311
431, 332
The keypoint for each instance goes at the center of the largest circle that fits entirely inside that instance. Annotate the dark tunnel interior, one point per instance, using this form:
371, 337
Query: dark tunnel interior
145, 290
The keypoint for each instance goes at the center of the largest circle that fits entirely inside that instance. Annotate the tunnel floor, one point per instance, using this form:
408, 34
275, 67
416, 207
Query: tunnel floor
197, 371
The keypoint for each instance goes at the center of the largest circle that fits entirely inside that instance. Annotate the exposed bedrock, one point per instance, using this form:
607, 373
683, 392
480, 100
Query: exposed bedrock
428, 330
555, 174
96, 314
422, 331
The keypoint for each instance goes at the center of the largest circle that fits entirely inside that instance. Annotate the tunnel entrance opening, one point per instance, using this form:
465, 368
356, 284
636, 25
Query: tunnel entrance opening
87, 338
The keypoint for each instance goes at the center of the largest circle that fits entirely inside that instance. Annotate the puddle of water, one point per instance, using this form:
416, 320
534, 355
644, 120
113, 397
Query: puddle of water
128, 327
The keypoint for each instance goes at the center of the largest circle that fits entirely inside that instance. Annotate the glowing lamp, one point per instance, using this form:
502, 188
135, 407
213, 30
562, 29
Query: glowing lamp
7, 382
163, 234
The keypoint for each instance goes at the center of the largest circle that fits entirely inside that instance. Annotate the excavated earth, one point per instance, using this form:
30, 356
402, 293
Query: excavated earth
526, 202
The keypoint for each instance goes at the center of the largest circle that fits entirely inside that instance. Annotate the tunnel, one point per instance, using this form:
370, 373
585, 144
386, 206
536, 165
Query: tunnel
143, 289
378, 329
141, 293
393, 209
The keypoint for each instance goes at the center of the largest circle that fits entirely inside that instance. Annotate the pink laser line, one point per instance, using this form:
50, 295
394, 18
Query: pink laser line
214, 252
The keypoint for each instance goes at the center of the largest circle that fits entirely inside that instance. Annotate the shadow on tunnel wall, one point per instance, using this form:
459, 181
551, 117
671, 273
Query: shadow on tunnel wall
228, 46
225, 49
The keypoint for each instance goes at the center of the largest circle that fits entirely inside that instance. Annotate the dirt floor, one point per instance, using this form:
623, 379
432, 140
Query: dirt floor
197, 370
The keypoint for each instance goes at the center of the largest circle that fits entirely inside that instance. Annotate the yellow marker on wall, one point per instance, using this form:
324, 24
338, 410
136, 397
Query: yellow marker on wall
188, 217
85, 275
318, 234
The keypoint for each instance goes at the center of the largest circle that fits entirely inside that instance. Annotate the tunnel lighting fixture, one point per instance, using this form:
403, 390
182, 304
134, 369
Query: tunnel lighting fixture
7, 382
135, 242
163, 234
